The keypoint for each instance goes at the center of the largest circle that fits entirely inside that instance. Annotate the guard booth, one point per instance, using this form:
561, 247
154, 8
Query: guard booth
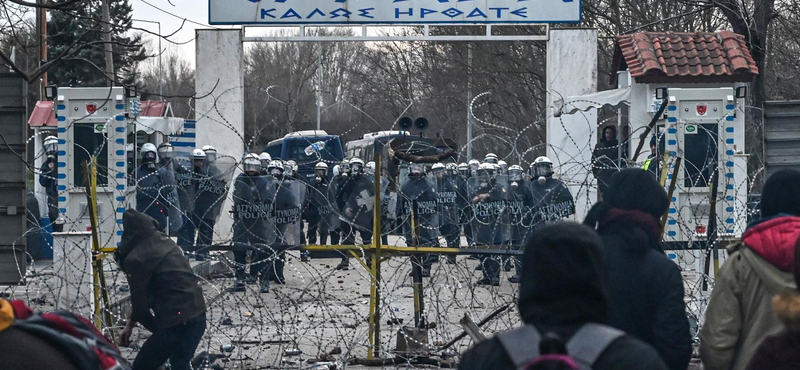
689, 88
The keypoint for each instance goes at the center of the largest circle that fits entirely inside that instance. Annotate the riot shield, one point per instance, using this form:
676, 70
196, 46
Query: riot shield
358, 193
388, 206
489, 222
148, 194
169, 195
212, 187
420, 211
252, 204
288, 202
519, 208
447, 191
550, 201
184, 174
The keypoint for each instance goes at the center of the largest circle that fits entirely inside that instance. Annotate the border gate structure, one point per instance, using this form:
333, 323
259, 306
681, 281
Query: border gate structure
220, 83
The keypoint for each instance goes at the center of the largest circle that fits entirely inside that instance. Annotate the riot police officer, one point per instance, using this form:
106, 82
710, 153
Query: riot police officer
148, 187
474, 165
286, 213
319, 208
447, 192
169, 191
549, 198
251, 228
48, 179
488, 198
265, 158
211, 191
420, 207
519, 203
187, 184
491, 158
356, 198
503, 168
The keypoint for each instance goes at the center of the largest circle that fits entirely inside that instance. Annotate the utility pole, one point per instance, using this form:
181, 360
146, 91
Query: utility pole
107, 43
469, 101
41, 19
319, 85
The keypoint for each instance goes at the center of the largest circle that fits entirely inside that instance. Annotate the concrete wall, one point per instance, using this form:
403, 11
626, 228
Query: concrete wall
220, 115
572, 70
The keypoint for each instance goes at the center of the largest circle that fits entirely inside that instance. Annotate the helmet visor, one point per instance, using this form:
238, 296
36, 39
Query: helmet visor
515, 175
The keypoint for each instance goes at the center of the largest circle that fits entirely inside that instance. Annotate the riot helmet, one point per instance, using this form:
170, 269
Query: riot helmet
264, 157
345, 168
416, 169
370, 168
275, 168
439, 170
452, 169
356, 166
198, 155
503, 167
486, 175
474, 165
166, 152
290, 167
148, 153
463, 170
515, 175
491, 158
252, 164
321, 171
541, 169
51, 146
336, 170
211, 153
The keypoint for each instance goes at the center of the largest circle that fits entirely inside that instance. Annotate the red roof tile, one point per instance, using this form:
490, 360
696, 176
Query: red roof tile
153, 108
664, 57
43, 115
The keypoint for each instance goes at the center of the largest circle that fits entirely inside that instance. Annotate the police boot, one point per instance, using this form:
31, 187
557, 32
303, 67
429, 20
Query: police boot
264, 284
344, 265
238, 286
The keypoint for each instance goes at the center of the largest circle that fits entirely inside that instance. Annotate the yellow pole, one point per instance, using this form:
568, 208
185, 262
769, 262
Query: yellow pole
374, 296
664, 169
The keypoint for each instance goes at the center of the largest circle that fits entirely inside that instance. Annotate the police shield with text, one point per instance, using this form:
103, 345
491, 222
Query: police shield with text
518, 206
169, 190
212, 188
253, 195
149, 184
420, 213
447, 195
319, 207
286, 216
357, 200
551, 200
488, 195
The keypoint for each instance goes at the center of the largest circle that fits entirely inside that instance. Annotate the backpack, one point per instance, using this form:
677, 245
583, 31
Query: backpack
583, 349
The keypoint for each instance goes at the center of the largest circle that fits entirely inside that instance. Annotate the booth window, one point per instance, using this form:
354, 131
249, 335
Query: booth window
86, 143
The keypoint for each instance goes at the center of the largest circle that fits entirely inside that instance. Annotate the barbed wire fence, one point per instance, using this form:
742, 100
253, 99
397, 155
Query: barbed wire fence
321, 315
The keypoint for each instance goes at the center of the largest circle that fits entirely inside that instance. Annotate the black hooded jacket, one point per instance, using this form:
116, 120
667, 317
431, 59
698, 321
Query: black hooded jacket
159, 276
561, 289
645, 289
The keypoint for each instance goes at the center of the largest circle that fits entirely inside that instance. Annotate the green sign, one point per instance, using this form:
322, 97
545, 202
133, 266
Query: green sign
691, 129
99, 129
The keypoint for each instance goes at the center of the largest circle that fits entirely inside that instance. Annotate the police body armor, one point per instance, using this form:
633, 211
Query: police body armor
488, 200
550, 202
252, 201
420, 210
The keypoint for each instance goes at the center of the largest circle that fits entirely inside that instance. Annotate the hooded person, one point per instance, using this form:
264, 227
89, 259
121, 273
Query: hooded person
780, 351
165, 296
645, 288
561, 291
605, 158
740, 314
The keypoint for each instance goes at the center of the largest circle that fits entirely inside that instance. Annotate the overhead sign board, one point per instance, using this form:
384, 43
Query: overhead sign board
358, 12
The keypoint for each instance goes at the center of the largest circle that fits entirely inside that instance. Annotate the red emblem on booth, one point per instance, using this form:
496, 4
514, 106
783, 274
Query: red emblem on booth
91, 107
702, 109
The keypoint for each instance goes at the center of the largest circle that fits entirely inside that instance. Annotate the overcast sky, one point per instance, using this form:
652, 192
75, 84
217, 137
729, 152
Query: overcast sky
192, 10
